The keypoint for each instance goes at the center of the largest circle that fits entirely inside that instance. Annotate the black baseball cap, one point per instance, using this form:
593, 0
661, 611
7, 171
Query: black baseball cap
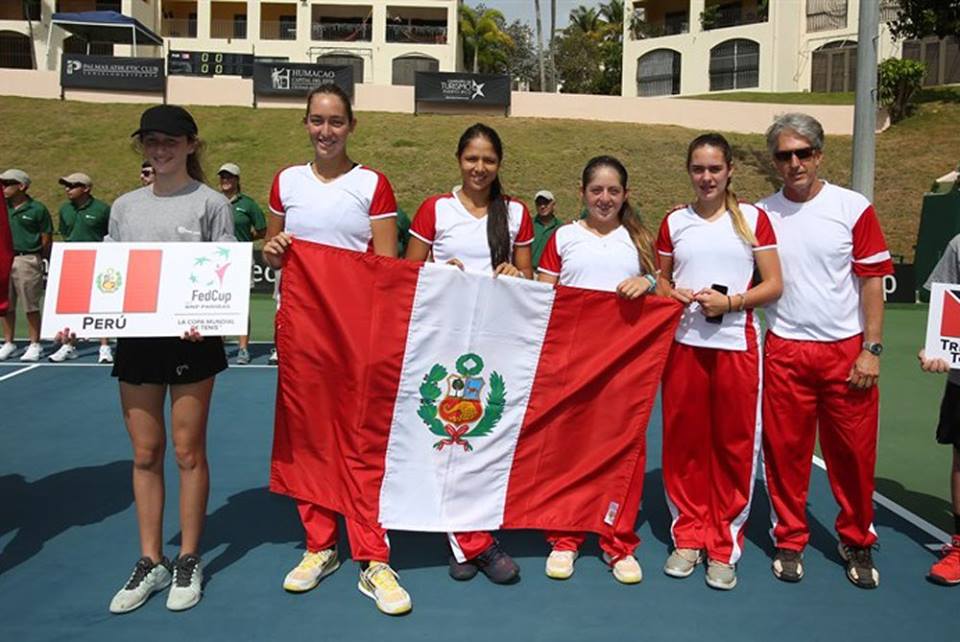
172, 120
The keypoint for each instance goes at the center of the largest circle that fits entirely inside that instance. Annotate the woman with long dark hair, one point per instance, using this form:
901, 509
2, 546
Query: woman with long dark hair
334, 201
177, 206
709, 251
609, 249
478, 228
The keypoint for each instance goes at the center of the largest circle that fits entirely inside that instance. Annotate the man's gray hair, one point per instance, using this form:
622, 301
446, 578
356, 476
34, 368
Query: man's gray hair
803, 125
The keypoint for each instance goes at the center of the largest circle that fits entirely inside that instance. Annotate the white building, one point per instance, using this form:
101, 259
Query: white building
691, 47
385, 41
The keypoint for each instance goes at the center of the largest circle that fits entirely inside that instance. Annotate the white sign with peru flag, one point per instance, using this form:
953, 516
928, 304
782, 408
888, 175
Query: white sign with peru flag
147, 289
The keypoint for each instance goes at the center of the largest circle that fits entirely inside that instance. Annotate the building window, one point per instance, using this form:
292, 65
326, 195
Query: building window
735, 64
344, 60
15, 50
240, 26
405, 68
834, 67
940, 56
77, 45
658, 73
824, 15
288, 27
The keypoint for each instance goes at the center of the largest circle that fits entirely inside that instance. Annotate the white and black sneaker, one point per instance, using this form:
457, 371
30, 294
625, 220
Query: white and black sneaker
147, 578
187, 584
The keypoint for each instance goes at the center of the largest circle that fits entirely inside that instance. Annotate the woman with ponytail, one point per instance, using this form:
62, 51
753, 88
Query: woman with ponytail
709, 252
478, 228
609, 249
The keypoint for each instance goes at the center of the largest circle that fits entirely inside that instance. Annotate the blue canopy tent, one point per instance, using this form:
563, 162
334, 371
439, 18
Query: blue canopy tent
105, 26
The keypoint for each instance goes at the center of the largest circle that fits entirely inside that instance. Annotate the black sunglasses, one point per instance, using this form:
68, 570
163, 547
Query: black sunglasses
8, 183
802, 154
72, 185
146, 172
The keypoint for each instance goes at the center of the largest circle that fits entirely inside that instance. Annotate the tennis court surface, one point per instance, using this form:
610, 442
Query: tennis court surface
68, 540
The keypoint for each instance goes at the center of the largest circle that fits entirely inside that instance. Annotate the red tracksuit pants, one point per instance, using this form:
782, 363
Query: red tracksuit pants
367, 543
805, 386
711, 441
624, 540
468, 545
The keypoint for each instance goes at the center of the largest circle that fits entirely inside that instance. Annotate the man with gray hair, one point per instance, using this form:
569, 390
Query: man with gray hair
822, 351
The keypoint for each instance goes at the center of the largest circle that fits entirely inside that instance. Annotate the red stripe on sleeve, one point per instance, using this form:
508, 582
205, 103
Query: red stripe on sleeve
525, 234
764, 232
384, 201
424, 225
76, 281
550, 260
869, 244
143, 281
276, 202
664, 240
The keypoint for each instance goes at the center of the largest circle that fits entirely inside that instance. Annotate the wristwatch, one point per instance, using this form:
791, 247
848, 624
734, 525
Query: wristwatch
875, 349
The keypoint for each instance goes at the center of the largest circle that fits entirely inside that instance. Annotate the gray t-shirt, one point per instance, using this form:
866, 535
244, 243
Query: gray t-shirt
947, 270
195, 213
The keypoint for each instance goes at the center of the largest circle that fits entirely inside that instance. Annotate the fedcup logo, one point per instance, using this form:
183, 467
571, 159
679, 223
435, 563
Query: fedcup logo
280, 78
950, 317
206, 277
73, 66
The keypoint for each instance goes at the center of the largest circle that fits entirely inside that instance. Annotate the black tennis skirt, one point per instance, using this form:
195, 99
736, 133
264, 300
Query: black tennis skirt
168, 360
948, 430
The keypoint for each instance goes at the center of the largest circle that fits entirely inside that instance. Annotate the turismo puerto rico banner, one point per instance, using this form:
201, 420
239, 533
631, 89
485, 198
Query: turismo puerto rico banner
425, 398
943, 324
147, 289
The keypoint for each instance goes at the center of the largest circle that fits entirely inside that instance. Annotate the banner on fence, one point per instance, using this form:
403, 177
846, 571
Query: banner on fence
297, 79
111, 72
447, 87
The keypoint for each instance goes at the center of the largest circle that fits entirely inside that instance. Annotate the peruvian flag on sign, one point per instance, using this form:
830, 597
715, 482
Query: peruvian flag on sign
99, 282
421, 397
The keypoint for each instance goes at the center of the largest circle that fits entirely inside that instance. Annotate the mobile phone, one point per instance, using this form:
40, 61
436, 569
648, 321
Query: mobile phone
722, 289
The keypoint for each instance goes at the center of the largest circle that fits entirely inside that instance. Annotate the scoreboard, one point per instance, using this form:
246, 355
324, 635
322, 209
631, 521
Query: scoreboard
209, 63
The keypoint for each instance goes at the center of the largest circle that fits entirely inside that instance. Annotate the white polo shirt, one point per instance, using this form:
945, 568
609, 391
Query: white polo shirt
707, 253
581, 259
826, 245
454, 233
337, 213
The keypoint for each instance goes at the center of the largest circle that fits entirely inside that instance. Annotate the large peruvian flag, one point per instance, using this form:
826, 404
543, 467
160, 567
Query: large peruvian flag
421, 397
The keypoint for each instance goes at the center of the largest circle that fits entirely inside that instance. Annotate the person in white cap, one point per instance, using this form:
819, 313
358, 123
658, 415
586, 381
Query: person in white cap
545, 223
249, 225
83, 218
32, 231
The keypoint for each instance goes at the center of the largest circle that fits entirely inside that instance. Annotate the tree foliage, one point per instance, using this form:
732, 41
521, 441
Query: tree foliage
899, 80
589, 52
921, 18
485, 41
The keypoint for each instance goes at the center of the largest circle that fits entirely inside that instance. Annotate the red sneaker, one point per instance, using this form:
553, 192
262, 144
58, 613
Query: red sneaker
947, 570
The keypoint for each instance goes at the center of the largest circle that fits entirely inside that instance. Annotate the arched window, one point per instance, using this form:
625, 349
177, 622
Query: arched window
405, 68
344, 60
658, 73
75, 45
735, 64
15, 50
834, 67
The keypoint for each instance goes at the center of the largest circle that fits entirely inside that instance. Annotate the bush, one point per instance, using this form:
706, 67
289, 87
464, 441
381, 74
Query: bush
898, 82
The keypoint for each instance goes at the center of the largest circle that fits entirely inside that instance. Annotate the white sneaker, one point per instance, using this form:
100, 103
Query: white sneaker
32, 353
380, 583
106, 355
626, 570
7, 349
682, 562
187, 586
66, 351
311, 569
274, 358
147, 578
560, 564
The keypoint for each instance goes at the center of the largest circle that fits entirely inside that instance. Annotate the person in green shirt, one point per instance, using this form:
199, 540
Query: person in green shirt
32, 231
83, 218
250, 225
545, 223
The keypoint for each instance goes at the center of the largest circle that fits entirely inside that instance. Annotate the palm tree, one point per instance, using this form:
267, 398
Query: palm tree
586, 19
612, 13
481, 32
543, 78
553, 32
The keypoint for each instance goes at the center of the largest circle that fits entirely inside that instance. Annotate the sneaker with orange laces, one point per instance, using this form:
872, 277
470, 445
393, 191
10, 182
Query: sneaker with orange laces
947, 570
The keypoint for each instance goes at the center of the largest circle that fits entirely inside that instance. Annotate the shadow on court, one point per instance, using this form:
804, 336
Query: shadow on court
41, 510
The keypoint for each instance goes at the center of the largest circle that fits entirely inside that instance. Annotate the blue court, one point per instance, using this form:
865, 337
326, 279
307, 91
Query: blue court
68, 540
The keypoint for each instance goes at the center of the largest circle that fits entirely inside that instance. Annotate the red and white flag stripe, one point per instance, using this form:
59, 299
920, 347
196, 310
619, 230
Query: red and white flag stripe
422, 397
128, 283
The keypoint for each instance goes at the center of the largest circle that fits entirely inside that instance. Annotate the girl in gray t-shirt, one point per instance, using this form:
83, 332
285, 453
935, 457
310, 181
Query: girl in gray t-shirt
177, 207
